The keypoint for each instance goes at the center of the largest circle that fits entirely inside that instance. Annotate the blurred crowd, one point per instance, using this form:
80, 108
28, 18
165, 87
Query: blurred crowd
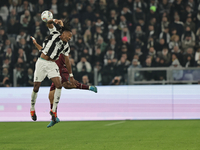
109, 36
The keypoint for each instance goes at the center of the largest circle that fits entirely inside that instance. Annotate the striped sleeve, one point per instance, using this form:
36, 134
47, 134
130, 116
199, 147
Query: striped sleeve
52, 30
51, 44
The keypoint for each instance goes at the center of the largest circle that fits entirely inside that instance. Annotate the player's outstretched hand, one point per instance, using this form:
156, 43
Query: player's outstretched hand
33, 39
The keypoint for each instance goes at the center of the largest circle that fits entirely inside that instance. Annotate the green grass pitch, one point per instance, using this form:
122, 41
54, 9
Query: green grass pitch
101, 135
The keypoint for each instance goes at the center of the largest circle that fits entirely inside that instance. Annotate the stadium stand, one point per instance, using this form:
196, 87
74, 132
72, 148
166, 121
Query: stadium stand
108, 35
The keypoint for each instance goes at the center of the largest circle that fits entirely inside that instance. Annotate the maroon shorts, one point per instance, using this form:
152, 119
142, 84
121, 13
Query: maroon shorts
64, 77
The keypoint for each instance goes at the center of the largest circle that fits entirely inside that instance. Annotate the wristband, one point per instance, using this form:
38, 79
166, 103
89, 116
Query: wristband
70, 75
54, 20
33, 38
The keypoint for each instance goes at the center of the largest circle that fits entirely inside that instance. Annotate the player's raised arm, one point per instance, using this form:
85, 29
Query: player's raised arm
36, 44
50, 23
51, 26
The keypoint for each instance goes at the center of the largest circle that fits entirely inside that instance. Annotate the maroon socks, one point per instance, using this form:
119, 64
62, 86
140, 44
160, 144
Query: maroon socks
82, 86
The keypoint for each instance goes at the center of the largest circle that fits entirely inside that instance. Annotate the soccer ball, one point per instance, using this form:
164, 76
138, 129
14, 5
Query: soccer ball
46, 16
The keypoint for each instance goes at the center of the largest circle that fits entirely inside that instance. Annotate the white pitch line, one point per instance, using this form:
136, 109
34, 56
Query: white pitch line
114, 123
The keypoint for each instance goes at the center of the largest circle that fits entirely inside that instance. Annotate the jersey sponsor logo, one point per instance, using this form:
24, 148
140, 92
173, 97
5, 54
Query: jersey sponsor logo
60, 43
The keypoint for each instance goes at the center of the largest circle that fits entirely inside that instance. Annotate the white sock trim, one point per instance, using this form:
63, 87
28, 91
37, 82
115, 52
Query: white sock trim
56, 100
33, 100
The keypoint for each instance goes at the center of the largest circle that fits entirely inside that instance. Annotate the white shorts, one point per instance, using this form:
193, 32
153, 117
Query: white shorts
45, 68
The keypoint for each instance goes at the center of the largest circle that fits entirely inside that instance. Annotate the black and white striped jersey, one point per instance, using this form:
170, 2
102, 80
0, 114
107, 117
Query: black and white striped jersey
54, 46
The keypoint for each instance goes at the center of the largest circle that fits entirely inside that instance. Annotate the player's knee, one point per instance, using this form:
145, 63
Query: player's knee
36, 88
59, 86
66, 85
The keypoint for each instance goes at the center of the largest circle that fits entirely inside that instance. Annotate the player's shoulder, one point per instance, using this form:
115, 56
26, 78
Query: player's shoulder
55, 33
67, 44
53, 30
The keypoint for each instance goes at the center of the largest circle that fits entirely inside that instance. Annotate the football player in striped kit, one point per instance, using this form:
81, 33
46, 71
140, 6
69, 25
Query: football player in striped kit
56, 44
65, 83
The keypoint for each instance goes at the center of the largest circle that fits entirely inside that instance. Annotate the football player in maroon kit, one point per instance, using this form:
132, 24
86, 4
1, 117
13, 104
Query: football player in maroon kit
65, 82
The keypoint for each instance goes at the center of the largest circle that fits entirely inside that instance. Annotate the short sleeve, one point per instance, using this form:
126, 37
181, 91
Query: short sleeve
52, 30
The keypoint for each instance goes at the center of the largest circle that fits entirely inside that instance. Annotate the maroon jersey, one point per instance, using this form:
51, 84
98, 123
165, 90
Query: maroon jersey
61, 61
63, 71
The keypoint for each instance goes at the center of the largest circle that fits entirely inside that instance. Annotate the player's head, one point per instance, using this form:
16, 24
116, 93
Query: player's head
65, 31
